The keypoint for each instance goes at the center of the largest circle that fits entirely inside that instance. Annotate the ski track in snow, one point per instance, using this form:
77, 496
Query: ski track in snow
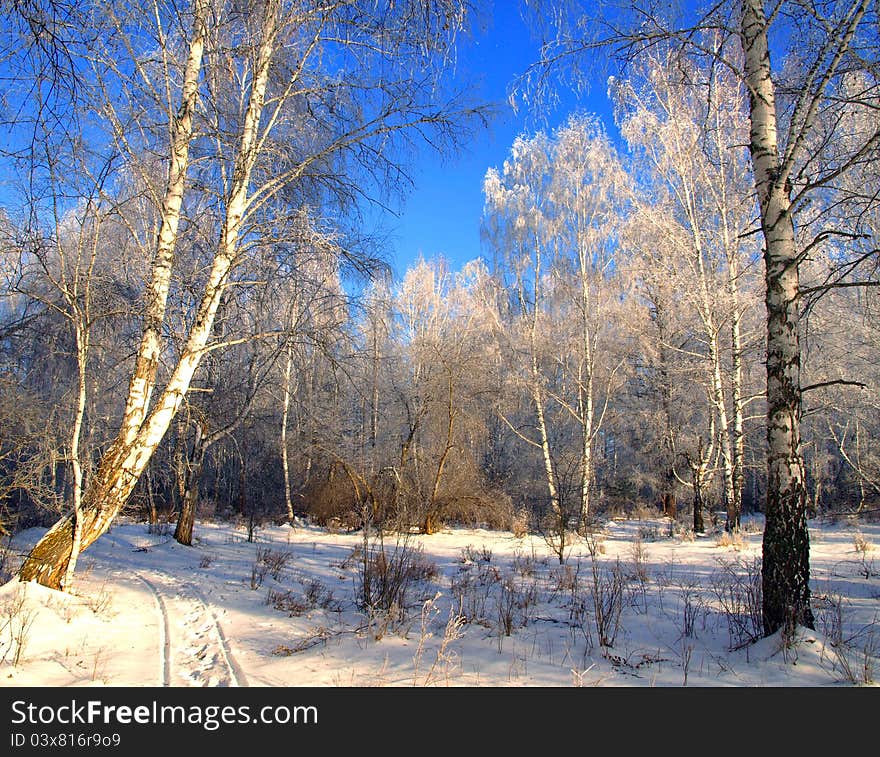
194, 650
164, 633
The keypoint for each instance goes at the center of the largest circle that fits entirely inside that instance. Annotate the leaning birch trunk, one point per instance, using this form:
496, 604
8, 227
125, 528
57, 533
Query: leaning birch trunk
545, 449
52, 561
143, 377
786, 547
125, 461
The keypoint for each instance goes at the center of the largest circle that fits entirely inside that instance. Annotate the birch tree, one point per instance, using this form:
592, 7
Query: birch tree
844, 33
515, 225
553, 211
314, 307
249, 47
440, 323
585, 215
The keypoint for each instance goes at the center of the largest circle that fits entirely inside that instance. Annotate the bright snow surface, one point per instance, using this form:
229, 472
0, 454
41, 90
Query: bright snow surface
484, 608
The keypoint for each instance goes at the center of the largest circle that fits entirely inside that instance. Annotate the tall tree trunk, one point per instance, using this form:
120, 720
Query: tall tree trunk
859, 477
734, 507
82, 354
699, 466
151, 498
707, 312
285, 414
718, 400
696, 478
786, 544
54, 556
537, 395
143, 377
179, 490
587, 420
549, 472
730, 242
183, 532
585, 384
670, 506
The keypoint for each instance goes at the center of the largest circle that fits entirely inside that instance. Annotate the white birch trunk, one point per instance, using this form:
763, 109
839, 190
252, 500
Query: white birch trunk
736, 397
537, 396
285, 413
82, 355
585, 389
545, 448
786, 566
709, 321
720, 403
147, 361
587, 422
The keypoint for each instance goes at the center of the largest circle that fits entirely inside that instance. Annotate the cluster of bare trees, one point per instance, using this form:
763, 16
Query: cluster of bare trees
810, 76
203, 135
681, 318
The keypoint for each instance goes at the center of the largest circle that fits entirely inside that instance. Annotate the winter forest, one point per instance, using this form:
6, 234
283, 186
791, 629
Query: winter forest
670, 316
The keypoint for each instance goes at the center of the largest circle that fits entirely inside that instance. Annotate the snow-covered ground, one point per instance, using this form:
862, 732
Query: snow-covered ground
481, 608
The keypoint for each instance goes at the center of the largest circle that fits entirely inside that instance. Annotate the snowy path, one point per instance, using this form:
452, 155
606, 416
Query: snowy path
194, 650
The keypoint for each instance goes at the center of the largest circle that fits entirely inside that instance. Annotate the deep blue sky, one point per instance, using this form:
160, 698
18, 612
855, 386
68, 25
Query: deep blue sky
442, 215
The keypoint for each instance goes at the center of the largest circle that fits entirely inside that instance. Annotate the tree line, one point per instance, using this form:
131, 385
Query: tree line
673, 312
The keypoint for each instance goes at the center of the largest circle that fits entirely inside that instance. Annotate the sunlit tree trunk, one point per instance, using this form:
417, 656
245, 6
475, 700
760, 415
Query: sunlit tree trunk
726, 189
143, 377
586, 382
668, 500
734, 508
720, 407
82, 352
706, 309
699, 466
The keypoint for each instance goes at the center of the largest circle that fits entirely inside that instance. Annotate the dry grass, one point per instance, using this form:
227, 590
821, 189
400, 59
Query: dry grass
860, 544
16, 621
733, 540
519, 523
